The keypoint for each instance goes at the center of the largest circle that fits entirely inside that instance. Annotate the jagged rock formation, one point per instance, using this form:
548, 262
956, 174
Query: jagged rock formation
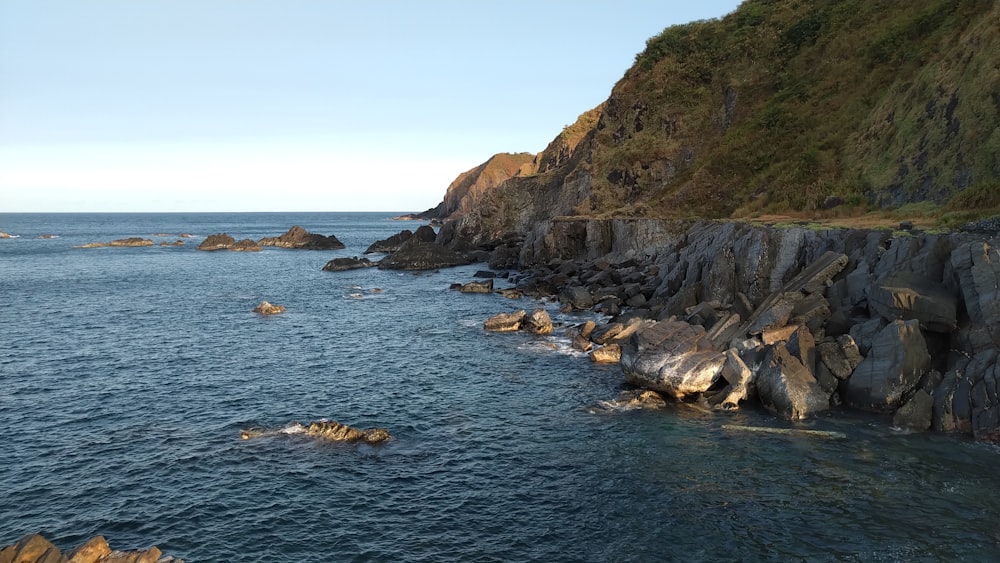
299, 238
465, 191
391, 244
34, 548
223, 241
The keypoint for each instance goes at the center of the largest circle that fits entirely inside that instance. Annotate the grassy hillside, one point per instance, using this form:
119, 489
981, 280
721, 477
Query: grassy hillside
819, 108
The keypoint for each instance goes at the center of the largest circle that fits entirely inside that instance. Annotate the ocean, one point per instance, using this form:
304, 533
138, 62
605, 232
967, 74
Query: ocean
126, 375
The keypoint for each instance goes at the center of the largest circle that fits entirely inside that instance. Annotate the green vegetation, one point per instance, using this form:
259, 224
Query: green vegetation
826, 109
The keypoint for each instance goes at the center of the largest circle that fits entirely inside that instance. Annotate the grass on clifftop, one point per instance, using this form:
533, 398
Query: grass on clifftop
830, 109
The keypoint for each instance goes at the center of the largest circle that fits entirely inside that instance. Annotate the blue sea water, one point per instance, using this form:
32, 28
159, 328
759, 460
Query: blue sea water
126, 375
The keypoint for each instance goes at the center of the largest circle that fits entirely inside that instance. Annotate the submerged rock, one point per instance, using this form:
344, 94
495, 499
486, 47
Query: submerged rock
119, 243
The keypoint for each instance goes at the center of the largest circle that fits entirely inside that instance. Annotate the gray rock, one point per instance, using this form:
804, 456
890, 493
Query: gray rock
840, 356
786, 387
299, 238
978, 268
916, 413
391, 244
740, 379
671, 358
984, 372
577, 297
864, 333
906, 295
893, 368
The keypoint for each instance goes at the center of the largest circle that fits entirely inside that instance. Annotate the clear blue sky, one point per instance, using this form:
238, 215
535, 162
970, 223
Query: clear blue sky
295, 105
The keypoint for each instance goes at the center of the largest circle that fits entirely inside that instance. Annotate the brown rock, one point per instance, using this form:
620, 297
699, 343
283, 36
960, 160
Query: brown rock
91, 552
299, 238
505, 322
609, 354
265, 308
539, 322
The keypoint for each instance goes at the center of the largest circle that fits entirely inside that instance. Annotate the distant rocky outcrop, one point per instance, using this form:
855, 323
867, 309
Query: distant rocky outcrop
6, 235
325, 430
420, 252
119, 243
299, 238
34, 548
223, 241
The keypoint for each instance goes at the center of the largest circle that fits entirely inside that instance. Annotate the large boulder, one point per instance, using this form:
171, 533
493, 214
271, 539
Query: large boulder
787, 388
740, 379
539, 322
984, 374
672, 357
893, 368
907, 295
576, 298
299, 238
417, 254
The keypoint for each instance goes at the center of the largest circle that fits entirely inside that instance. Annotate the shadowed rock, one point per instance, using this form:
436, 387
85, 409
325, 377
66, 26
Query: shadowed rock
391, 244
893, 368
417, 254
119, 243
344, 264
539, 322
906, 295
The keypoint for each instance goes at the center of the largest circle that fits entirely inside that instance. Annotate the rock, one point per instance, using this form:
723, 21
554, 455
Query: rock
983, 372
915, 414
265, 308
609, 354
485, 274
299, 238
840, 356
786, 387
344, 264
577, 297
130, 242
324, 429
740, 379
417, 254
225, 242
34, 548
425, 233
864, 333
606, 333
511, 293
391, 244
635, 399
906, 295
671, 357
587, 329
774, 313
978, 268
6, 235
91, 552
505, 322
893, 368
802, 345
538, 322
477, 287
774, 335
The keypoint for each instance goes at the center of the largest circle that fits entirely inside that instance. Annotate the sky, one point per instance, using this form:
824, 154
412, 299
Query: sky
295, 105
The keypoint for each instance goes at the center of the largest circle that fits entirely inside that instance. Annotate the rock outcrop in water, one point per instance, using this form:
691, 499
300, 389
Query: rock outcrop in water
266, 308
325, 430
299, 238
344, 264
34, 548
223, 241
130, 242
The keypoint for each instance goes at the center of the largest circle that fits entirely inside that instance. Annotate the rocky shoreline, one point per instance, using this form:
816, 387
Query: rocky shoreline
800, 320
34, 548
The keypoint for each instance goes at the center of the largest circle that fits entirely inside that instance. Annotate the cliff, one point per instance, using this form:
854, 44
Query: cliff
817, 109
